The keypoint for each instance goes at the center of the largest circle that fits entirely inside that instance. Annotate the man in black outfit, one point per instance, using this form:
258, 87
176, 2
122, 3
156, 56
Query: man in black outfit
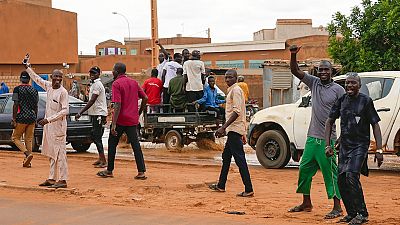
357, 113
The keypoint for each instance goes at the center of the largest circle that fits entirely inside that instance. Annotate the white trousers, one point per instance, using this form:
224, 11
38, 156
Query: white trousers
59, 167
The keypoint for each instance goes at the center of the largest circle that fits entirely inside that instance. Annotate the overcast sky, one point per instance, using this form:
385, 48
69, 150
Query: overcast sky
229, 20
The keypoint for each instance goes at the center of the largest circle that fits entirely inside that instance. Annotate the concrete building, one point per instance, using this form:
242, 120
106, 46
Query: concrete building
25, 28
288, 29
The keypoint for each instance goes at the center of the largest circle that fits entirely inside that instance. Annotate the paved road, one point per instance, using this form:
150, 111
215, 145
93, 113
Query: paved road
14, 211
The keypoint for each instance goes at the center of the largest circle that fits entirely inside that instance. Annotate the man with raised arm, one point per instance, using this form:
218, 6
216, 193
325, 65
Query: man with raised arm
54, 126
324, 93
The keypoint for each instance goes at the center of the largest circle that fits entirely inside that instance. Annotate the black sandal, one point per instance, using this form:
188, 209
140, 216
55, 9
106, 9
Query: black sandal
105, 174
215, 187
245, 194
359, 219
335, 213
140, 177
345, 219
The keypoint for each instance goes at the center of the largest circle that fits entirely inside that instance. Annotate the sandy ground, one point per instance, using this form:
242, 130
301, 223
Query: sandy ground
180, 188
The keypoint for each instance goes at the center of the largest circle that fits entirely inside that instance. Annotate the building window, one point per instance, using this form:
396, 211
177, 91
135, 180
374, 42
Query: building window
133, 52
207, 63
255, 64
101, 51
231, 64
123, 51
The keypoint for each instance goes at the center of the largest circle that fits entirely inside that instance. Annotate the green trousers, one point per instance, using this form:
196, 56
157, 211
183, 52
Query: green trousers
314, 158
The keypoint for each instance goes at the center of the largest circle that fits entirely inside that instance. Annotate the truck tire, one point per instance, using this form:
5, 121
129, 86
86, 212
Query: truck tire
173, 140
79, 147
273, 150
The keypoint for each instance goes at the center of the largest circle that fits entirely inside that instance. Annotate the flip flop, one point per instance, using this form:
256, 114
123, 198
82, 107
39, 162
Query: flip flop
47, 183
335, 213
215, 187
141, 177
27, 161
105, 174
299, 208
101, 165
58, 185
245, 194
345, 219
96, 163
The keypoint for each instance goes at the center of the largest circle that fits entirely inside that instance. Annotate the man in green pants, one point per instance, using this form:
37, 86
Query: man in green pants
324, 93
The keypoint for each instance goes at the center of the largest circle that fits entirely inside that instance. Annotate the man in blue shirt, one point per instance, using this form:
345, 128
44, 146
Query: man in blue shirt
3, 88
210, 99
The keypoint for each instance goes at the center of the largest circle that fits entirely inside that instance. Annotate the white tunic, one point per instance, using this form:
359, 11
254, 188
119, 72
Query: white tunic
57, 109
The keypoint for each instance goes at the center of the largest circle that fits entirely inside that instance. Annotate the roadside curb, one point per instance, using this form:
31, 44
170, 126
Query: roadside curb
38, 189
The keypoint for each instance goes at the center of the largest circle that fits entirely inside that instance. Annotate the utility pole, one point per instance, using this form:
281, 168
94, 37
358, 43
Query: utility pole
209, 33
154, 34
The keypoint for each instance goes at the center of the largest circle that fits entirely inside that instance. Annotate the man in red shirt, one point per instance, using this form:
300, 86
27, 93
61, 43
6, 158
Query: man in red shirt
125, 96
153, 87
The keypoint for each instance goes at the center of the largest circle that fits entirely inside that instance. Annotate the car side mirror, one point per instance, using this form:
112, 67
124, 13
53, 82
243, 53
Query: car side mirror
305, 101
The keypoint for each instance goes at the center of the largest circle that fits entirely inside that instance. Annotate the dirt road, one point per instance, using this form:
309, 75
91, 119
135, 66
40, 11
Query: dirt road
180, 189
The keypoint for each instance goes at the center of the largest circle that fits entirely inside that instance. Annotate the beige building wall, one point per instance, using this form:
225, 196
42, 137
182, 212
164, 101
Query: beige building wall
288, 29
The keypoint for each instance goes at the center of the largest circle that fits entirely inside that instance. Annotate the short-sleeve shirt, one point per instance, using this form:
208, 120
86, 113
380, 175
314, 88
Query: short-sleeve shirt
178, 96
127, 92
193, 69
323, 97
356, 115
153, 87
160, 68
27, 98
99, 107
171, 68
235, 103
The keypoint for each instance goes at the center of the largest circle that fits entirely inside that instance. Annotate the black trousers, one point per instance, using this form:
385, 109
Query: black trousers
352, 194
192, 96
97, 132
131, 132
220, 111
234, 147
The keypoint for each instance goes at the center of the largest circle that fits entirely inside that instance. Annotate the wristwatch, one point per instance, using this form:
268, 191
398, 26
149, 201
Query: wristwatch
379, 151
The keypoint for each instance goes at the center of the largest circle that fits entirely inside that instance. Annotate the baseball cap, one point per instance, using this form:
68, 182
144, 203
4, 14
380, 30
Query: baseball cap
94, 69
24, 75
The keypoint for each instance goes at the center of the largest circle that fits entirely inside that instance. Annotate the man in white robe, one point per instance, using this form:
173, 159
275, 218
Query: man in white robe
54, 126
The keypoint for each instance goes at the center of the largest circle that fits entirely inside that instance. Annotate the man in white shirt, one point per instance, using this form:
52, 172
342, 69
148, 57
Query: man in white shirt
97, 110
162, 58
194, 74
169, 72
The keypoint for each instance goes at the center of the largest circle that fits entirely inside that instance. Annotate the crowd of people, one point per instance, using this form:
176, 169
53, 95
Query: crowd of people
184, 84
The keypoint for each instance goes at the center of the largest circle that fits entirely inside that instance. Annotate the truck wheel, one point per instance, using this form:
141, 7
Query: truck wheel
173, 140
272, 149
79, 147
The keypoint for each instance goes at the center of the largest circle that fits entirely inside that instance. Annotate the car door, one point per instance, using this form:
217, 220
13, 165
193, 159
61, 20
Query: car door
6, 129
301, 120
384, 92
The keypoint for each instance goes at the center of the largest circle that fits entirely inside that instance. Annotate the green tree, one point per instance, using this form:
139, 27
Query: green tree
368, 39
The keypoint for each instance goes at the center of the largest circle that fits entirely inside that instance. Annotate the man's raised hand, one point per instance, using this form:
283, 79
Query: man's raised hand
294, 49
25, 61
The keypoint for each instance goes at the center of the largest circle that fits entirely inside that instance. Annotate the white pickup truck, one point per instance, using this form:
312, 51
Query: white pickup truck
279, 133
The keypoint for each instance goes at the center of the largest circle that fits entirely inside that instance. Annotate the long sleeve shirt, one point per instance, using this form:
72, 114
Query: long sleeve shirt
210, 98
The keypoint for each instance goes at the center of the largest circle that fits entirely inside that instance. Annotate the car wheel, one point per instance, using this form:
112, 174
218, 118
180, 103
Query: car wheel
272, 149
173, 140
79, 147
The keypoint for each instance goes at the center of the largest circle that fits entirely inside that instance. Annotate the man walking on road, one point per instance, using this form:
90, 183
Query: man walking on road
244, 87
324, 93
125, 96
235, 127
25, 109
54, 126
357, 113
97, 110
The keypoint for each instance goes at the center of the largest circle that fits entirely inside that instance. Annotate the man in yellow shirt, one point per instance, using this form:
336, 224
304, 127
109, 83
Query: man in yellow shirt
244, 87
